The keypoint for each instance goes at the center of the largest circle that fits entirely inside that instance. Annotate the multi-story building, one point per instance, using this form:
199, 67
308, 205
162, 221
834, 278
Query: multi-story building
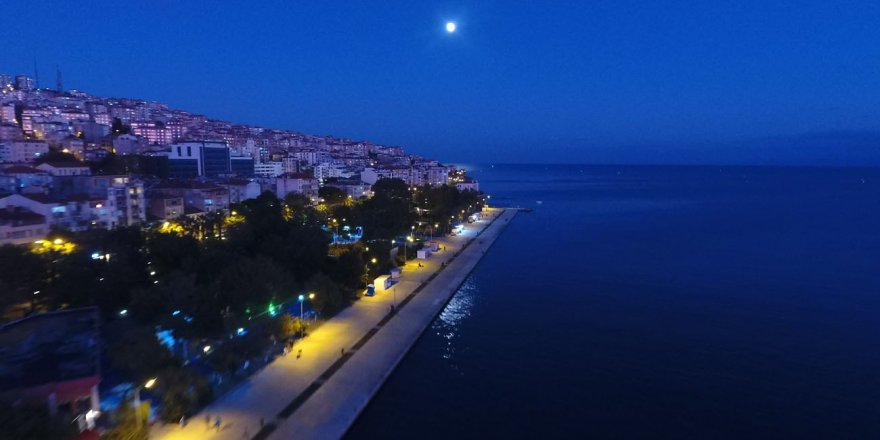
300, 183
197, 196
22, 151
65, 168
467, 184
123, 195
353, 187
327, 170
7, 114
28, 179
24, 82
269, 169
206, 158
166, 206
20, 225
10, 132
241, 189
124, 144
78, 212
153, 131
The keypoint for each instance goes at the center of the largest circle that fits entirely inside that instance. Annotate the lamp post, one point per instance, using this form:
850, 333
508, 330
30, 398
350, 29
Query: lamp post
312, 297
137, 398
302, 330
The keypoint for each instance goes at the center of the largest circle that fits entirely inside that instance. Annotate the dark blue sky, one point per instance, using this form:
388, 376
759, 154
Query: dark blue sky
582, 81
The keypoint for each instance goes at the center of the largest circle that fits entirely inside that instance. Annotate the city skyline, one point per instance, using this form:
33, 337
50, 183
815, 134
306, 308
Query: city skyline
696, 84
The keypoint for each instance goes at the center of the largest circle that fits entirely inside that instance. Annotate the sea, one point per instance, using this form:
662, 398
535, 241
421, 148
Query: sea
657, 302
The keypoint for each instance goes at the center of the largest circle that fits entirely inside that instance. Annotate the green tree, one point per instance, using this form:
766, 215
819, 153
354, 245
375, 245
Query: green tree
329, 296
332, 195
129, 423
21, 274
286, 326
139, 354
183, 391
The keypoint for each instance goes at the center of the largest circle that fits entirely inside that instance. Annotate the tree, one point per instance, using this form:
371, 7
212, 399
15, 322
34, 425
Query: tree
332, 195
182, 392
286, 326
21, 273
140, 354
349, 268
391, 188
329, 296
130, 423
119, 128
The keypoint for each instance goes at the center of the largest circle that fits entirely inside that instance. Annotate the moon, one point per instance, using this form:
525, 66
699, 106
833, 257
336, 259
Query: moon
450, 27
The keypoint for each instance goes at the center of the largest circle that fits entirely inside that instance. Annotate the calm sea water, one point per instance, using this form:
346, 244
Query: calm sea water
657, 302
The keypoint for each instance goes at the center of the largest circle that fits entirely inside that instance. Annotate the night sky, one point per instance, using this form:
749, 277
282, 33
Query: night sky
539, 81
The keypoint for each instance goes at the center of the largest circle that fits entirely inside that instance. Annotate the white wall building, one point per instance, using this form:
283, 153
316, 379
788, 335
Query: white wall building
269, 169
22, 151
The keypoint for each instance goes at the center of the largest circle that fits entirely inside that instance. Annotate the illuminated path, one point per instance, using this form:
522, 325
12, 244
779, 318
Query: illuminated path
321, 394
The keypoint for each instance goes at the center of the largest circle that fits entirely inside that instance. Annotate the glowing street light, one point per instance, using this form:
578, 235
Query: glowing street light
137, 398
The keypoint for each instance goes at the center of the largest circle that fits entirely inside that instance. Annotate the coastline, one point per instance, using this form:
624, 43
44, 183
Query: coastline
273, 400
333, 408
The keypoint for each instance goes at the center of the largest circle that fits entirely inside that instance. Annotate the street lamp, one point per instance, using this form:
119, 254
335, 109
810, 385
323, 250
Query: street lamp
312, 297
137, 398
302, 330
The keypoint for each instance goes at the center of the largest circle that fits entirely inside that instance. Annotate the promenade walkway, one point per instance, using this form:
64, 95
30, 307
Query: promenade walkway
320, 394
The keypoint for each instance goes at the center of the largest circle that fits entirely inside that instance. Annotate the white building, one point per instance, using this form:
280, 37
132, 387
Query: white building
22, 151
372, 175
327, 170
269, 169
65, 168
19, 225
300, 183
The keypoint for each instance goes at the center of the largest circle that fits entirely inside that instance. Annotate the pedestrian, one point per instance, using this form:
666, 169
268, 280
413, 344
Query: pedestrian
182, 421
342, 351
217, 423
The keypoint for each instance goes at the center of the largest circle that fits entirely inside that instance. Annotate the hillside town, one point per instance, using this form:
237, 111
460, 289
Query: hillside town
152, 260
76, 161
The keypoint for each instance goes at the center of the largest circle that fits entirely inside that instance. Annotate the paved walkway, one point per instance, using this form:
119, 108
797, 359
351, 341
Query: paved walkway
331, 410
298, 387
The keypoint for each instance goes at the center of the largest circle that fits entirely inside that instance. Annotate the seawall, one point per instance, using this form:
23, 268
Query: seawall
332, 404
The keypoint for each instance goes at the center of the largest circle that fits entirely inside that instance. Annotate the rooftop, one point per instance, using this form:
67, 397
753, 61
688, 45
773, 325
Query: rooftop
49, 347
